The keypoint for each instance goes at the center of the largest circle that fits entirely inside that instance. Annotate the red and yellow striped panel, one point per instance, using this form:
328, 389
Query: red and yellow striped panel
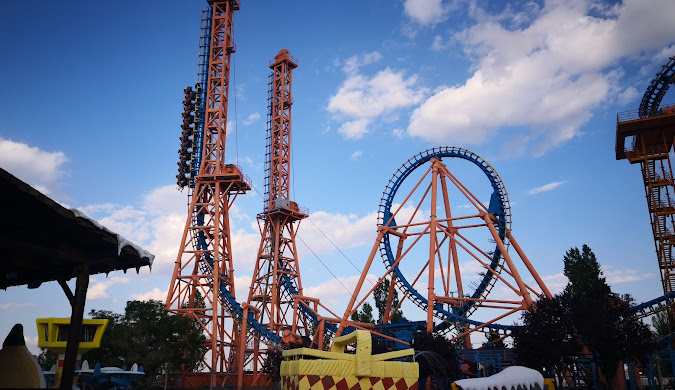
316, 382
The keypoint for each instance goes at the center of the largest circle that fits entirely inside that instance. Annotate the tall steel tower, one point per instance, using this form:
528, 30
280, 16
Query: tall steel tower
203, 281
646, 136
277, 261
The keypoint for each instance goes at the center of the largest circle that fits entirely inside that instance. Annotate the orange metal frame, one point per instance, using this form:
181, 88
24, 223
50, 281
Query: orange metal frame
206, 238
277, 253
651, 140
445, 240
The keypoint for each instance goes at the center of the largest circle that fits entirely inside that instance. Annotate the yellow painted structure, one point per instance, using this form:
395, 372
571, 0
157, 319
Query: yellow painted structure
311, 369
18, 367
53, 334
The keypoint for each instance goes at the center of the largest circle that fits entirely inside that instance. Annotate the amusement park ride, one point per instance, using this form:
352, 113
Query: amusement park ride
646, 136
424, 243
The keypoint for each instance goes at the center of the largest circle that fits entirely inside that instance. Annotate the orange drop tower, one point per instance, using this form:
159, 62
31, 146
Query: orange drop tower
645, 136
202, 284
276, 276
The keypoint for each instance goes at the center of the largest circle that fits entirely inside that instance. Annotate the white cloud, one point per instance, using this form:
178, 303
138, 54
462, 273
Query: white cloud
98, 288
252, 119
356, 155
555, 283
14, 306
437, 44
354, 129
156, 226
627, 96
32, 345
335, 293
245, 247
546, 187
39, 168
156, 294
615, 274
129, 223
353, 63
361, 99
546, 76
345, 231
242, 286
425, 12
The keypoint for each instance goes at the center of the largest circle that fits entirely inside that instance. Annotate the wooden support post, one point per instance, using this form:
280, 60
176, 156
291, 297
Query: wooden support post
75, 328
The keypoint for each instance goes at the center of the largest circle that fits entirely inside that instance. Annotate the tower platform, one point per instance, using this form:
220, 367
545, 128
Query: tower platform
637, 138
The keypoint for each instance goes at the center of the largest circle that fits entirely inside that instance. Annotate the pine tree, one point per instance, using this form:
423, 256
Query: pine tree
365, 315
380, 295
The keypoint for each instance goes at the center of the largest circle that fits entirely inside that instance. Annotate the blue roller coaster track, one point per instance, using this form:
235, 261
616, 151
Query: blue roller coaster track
499, 205
657, 89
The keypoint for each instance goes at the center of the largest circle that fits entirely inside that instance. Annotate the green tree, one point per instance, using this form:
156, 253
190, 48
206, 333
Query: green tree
584, 274
380, 295
660, 324
364, 315
271, 364
492, 341
547, 338
662, 329
436, 357
151, 337
46, 359
586, 315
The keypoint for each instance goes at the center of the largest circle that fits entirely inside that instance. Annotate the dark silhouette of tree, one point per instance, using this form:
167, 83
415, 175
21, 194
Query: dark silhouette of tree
547, 337
660, 324
662, 330
584, 274
46, 359
271, 364
364, 315
436, 357
380, 295
493, 343
148, 335
586, 317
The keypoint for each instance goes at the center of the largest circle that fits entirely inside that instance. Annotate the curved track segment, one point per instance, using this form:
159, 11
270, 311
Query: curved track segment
499, 205
657, 89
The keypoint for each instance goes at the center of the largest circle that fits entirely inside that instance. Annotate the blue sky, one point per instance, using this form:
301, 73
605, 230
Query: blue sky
91, 109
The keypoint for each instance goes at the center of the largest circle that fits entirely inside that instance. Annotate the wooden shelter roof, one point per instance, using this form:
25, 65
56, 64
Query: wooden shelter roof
41, 240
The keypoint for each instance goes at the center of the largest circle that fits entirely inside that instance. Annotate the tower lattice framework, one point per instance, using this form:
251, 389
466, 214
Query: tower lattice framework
277, 260
203, 277
646, 136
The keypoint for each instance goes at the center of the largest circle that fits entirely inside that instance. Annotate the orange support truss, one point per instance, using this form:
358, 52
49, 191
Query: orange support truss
203, 271
648, 141
277, 254
430, 239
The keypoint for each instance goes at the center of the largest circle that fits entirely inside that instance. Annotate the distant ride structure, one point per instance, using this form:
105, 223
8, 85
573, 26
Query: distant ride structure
645, 136
420, 233
276, 275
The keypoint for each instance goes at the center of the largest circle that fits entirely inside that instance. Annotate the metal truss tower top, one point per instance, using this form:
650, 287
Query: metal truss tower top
202, 284
276, 275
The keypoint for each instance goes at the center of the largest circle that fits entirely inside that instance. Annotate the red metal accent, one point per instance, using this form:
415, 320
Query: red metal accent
204, 262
